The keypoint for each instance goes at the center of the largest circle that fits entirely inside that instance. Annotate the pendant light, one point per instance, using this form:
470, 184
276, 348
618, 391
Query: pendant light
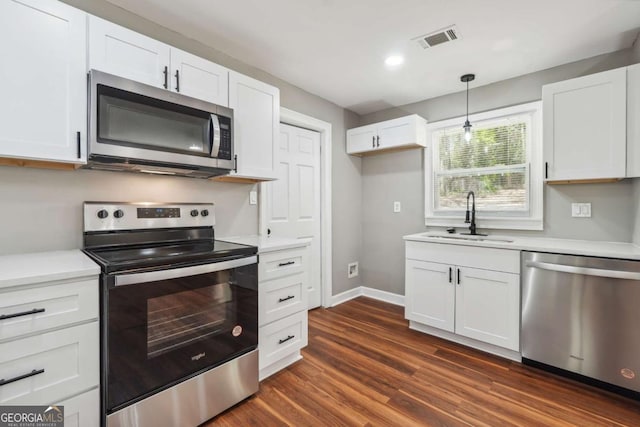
467, 126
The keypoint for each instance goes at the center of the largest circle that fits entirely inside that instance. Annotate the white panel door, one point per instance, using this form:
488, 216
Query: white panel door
256, 118
293, 200
44, 90
125, 53
361, 139
430, 294
585, 127
488, 307
199, 78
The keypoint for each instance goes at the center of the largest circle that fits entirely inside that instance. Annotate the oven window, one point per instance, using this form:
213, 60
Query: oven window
179, 319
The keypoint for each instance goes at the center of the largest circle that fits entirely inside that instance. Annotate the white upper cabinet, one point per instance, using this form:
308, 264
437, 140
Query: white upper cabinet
585, 127
196, 77
256, 115
397, 134
44, 91
125, 53
633, 121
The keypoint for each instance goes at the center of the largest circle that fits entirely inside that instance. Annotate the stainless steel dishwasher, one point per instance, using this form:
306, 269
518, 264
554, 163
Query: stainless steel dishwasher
582, 315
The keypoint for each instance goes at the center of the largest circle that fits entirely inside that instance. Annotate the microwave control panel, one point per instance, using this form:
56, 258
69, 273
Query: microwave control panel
225, 138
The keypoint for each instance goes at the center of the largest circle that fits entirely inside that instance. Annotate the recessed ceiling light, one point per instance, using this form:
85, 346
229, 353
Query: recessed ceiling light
394, 60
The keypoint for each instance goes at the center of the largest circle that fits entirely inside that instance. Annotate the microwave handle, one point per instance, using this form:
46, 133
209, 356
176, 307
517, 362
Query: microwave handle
214, 135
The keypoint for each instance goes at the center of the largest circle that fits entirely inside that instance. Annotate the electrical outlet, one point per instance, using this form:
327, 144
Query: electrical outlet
352, 269
581, 210
396, 207
253, 197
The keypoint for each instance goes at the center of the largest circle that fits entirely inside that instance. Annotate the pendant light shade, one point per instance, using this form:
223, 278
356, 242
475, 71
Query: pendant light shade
467, 125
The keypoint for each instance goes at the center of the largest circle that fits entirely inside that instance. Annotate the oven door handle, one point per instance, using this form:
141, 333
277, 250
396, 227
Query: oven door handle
152, 276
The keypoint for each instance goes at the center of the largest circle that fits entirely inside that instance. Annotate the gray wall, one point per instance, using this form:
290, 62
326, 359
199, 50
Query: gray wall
400, 177
53, 199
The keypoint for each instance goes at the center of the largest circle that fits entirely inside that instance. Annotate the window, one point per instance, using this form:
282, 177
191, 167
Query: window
501, 165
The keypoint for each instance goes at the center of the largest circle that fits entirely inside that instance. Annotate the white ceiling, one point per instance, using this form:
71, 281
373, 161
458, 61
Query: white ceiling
336, 48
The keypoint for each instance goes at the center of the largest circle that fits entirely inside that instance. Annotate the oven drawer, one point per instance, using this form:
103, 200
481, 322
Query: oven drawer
53, 365
25, 311
281, 297
282, 263
282, 337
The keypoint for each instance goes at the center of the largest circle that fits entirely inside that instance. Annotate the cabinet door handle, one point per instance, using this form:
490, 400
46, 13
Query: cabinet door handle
22, 313
378, 140
235, 163
282, 341
21, 377
546, 170
373, 142
458, 276
282, 264
450, 275
286, 298
177, 80
79, 145
166, 77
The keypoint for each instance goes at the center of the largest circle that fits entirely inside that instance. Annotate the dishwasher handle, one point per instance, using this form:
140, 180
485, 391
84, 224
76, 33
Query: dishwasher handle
586, 271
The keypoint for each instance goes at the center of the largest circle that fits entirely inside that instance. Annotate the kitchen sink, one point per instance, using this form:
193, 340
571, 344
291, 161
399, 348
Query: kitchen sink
471, 238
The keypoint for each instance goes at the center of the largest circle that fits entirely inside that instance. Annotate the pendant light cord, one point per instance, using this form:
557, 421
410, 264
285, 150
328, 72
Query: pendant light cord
467, 100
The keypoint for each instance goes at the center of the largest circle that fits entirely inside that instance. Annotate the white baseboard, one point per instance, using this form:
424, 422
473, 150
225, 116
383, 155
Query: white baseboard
391, 298
346, 296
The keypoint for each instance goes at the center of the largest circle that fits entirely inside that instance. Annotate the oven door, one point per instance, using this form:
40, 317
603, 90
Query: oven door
165, 326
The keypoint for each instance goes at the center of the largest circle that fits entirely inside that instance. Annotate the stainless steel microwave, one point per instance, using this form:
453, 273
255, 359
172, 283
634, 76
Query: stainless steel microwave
141, 128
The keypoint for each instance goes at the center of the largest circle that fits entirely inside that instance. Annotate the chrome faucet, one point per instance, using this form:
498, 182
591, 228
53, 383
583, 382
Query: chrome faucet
472, 221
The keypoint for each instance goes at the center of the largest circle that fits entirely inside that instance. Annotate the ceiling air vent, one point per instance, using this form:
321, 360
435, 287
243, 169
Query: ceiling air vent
438, 37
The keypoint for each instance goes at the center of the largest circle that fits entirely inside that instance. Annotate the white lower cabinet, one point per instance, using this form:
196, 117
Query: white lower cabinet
49, 342
471, 292
282, 309
82, 410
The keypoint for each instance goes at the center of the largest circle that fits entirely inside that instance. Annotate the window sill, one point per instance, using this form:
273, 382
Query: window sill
488, 223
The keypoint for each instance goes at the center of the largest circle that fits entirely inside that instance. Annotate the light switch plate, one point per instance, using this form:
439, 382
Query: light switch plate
581, 210
396, 207
253, 197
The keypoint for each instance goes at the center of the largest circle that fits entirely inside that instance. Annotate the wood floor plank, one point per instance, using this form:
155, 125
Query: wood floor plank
364, 367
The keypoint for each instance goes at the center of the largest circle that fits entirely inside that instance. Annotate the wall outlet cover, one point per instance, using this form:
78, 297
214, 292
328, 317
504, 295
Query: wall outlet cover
581, 210
396, 207
352, 270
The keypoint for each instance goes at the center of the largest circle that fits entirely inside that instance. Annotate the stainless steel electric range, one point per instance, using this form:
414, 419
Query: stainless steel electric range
179, 313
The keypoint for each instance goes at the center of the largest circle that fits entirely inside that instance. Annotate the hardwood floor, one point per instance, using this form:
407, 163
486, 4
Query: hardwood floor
364, 366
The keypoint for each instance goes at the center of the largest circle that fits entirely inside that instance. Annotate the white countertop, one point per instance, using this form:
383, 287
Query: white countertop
23, 269
539, 244
268, 244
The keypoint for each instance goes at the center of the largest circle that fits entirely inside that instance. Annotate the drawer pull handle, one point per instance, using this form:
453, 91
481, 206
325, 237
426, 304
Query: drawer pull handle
24, 313
21, 377
290, 337
286, 299
282, 264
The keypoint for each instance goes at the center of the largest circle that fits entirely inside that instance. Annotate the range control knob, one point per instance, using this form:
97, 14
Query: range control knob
204, 212
118, 213
102, 213
194, 212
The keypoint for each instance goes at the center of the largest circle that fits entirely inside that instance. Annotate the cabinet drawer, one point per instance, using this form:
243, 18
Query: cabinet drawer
67, 357
281, 297
52, 306
281, 338
468, 256
282, 263
82, 410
